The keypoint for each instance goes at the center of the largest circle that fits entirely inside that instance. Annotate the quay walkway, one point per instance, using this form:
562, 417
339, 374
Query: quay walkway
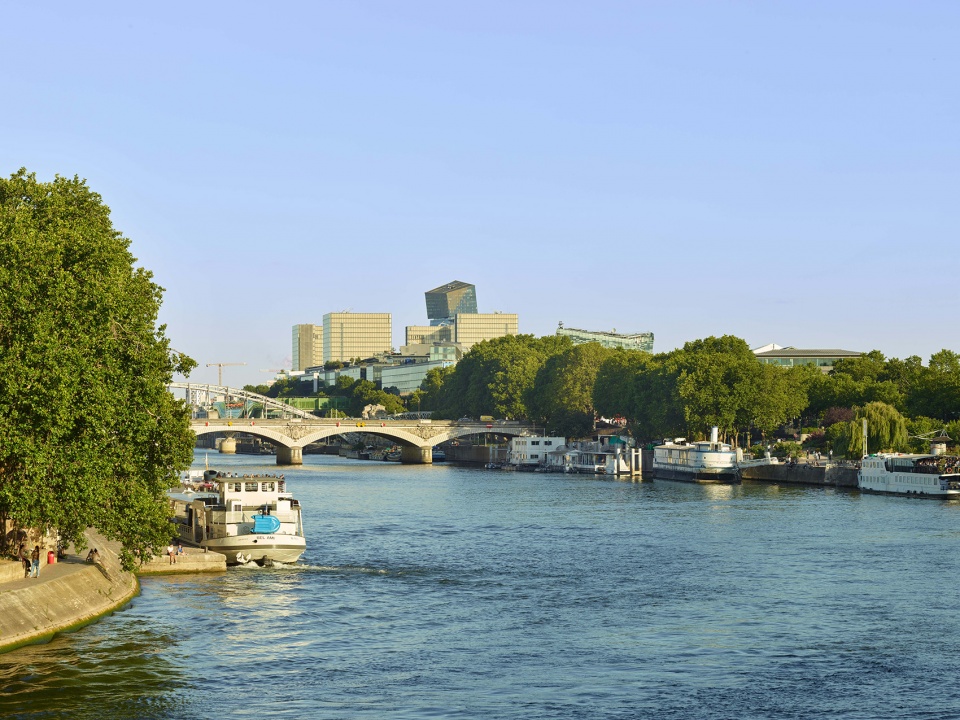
71, 592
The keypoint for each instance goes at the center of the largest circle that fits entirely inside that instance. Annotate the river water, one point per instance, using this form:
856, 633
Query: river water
451, 592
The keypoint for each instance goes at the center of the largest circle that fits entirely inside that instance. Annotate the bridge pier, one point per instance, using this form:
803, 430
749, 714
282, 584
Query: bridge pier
410, 455
289, 455
228, 446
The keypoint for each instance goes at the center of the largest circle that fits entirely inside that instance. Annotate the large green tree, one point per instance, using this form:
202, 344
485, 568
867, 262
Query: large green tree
613, 387
886, 431
936, 389
562, 394
495, 376
89, 434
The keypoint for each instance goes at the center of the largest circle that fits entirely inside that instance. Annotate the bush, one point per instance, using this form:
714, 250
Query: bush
833, 415
816, 441
788, 449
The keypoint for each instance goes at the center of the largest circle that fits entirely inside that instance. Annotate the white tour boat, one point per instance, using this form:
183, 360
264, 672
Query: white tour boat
708, 461
900, 474
245, 517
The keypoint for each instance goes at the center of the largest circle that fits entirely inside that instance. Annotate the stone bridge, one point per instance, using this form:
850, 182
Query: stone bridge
290, 429
416, 438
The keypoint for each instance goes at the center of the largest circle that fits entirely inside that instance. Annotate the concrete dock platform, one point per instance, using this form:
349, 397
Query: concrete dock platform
193, 560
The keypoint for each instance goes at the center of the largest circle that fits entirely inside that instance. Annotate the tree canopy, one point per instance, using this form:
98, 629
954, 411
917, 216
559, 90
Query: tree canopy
561, 397
711, 381
494, 377
90, 434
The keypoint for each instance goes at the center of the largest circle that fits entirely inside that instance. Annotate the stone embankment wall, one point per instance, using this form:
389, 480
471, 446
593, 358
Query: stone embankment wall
67, 595
71, 592
804, 474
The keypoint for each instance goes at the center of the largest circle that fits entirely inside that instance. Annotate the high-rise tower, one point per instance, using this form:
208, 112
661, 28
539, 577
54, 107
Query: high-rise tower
444, 302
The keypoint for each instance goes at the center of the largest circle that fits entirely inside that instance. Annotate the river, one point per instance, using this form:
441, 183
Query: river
451, 592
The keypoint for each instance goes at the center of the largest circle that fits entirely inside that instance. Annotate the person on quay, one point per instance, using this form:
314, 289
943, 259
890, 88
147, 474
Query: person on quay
35, 567
24, 560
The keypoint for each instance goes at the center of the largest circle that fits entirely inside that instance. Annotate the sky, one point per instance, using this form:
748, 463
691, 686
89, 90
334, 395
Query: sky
784, 172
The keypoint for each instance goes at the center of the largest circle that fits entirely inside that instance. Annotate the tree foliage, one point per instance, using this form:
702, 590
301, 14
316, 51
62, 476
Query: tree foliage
90, 435
561, 397
886, 431
494, 377
712, 381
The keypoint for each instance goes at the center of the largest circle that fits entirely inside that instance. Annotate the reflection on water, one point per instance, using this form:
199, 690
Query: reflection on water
109, 670
449, 592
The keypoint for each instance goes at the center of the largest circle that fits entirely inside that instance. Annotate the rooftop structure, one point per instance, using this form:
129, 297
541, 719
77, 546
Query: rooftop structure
612, 339
444, 302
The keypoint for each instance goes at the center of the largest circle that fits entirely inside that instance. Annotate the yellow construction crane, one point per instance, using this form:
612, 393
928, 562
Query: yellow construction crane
220, 370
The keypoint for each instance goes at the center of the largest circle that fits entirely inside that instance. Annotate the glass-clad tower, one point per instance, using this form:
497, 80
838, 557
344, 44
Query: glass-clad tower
446, 301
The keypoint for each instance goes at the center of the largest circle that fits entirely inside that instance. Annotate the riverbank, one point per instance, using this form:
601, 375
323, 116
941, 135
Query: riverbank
69, 594
72, 593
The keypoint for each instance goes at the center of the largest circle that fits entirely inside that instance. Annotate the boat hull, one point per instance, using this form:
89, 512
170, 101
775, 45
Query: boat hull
260, 549
727, 477
910, 493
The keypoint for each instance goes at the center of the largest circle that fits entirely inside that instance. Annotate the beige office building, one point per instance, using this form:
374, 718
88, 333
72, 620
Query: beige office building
471, 328
307, 346
348, 335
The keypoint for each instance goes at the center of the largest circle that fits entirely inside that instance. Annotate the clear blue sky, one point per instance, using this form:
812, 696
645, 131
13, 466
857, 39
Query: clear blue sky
781, 171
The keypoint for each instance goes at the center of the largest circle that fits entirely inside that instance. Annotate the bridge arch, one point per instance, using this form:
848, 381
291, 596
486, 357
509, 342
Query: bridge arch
290, 437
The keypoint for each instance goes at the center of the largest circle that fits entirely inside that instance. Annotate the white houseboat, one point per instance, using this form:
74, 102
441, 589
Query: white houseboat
247, 518
529, 453
900, 474
701, 462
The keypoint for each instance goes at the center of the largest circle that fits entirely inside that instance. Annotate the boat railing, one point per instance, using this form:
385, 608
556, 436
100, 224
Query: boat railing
246, 516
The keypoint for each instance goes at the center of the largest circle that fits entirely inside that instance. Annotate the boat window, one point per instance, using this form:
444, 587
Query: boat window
251, 486
548, 442
235, 487
282, 485
267, 487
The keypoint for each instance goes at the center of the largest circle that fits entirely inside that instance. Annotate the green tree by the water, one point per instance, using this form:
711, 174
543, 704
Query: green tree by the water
561, 397
886, 431
493, 378
89, 436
